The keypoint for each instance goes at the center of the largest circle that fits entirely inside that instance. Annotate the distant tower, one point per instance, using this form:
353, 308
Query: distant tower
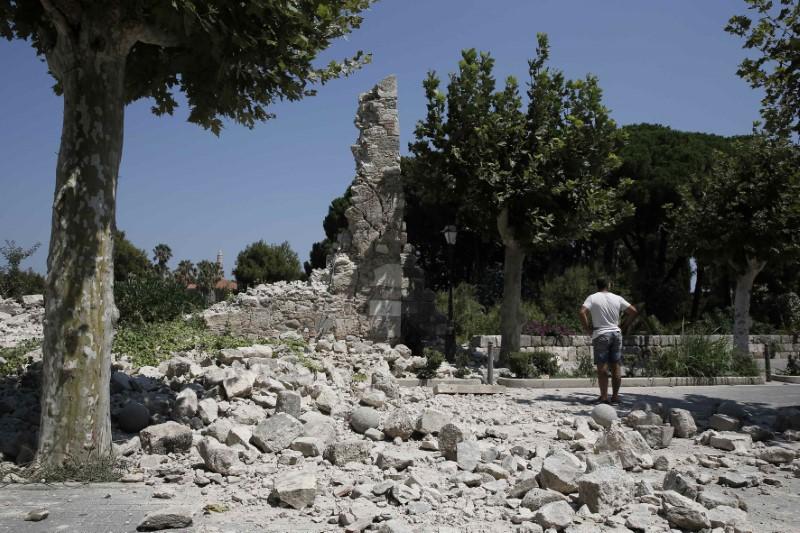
219, 262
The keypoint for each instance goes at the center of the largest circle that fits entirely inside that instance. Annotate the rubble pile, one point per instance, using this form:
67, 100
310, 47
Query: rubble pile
20, 322
326, 434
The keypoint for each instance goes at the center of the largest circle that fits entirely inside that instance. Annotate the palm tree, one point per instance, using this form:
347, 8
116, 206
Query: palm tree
185, 273
161, 256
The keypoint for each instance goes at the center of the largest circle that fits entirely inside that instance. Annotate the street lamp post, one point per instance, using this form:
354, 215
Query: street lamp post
450, 233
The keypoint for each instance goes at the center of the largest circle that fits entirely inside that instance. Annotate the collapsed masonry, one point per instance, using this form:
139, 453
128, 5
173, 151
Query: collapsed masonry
373, 287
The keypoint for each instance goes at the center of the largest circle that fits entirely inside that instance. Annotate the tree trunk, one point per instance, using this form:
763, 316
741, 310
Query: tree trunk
80, 311
741, 305
512, 289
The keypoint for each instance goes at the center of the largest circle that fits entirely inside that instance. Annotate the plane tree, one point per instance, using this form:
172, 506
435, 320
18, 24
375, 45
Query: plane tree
229, 60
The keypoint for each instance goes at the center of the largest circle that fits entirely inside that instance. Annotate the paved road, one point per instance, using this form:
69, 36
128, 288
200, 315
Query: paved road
118, 508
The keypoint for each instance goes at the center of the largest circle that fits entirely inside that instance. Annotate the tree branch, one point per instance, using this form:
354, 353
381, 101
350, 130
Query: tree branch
58, 18
149, 34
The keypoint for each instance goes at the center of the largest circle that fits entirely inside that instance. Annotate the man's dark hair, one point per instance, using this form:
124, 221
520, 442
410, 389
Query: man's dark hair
602, 284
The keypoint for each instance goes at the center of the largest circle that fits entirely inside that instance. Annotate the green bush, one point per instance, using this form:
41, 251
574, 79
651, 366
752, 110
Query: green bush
151, 343
15, 357
792, 367
561, 296
434, 359
700, 356
151, 298
533, 364
586, 367
260, 262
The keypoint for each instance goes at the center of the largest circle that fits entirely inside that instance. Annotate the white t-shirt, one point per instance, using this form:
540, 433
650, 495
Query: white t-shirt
605, 308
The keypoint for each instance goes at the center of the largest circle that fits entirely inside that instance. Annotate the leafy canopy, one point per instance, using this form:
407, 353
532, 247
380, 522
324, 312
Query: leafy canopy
230, 59
774, 31
479, 154
747, 208
260, 262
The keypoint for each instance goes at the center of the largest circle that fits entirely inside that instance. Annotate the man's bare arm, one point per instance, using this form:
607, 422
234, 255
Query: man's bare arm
630, 315
584, 314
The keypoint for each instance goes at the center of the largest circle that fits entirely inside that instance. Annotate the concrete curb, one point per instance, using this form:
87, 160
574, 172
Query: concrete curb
785, 379
414, 382
580, 383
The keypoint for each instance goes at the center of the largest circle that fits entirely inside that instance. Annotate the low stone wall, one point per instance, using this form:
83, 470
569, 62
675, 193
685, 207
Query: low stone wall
569, 348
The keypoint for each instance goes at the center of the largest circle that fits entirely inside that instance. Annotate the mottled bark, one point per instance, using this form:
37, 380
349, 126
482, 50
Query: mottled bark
741, 305
512, 288
80, 311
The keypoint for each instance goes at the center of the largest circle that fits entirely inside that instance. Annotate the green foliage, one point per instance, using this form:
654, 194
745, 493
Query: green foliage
260, 262
774, 32
359, 377
335, 221
161, 256
585, 368
151, 343
185, 273
208, 274
15, 357
433, 360
747, 208
252, 52
533, 364
14, 282
792, 366
699, 356
152, 298
128, 259
561, 296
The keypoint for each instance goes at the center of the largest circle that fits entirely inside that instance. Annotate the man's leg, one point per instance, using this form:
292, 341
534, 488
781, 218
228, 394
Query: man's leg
615, 362
616, 380
602, 380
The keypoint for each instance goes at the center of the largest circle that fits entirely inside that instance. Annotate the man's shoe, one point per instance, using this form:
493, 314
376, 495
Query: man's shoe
614, 400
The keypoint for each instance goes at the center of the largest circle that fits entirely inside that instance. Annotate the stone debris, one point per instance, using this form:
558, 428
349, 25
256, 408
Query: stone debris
37, 515
344, 446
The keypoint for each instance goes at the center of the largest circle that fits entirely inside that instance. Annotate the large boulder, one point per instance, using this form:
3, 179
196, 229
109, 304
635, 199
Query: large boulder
556, 515
386, 383
364, 418
289, 402
276, 433
394, 458
166, 438
605, 490
560, 472
776, 455
296, 489
732, 442
431, 421
683, 513
629, 445
218, 457
172, 518
186, 403
683, 421
536, 498
657, 437
398, 423
133, 417
240, 385
468, 455
604, 414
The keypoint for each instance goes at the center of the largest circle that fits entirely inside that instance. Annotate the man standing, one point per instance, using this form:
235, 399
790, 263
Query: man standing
605, 308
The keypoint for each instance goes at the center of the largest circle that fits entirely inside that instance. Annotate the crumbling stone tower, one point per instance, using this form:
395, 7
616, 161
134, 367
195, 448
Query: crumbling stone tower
367, 265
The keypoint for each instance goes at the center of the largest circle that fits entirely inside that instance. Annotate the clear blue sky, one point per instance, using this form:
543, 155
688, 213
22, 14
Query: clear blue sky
658, 61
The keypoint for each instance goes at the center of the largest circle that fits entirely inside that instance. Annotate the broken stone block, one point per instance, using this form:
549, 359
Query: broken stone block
398, 423
642, 418
308, 446
536, 498
352, 451
629, 445
296, 489
173, 518
240, 385
734, 442
449, 436
683, 513
496, 471
776, 455
276, 433
657, 437
724, 516
385, 383
393, 458
374, 398
186, 403
218, 457
288, 402
560, 472
556, 515
682, 483
605, 490
207, 410
468, 455
166, 438
683, 422
721, 422
431, 421
522, 486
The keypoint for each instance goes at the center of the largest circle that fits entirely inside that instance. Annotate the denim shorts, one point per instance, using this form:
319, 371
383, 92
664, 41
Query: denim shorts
607, 348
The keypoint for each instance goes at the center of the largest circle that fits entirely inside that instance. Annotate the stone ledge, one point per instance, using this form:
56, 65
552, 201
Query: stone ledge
579, 383
468, 388
786, 379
